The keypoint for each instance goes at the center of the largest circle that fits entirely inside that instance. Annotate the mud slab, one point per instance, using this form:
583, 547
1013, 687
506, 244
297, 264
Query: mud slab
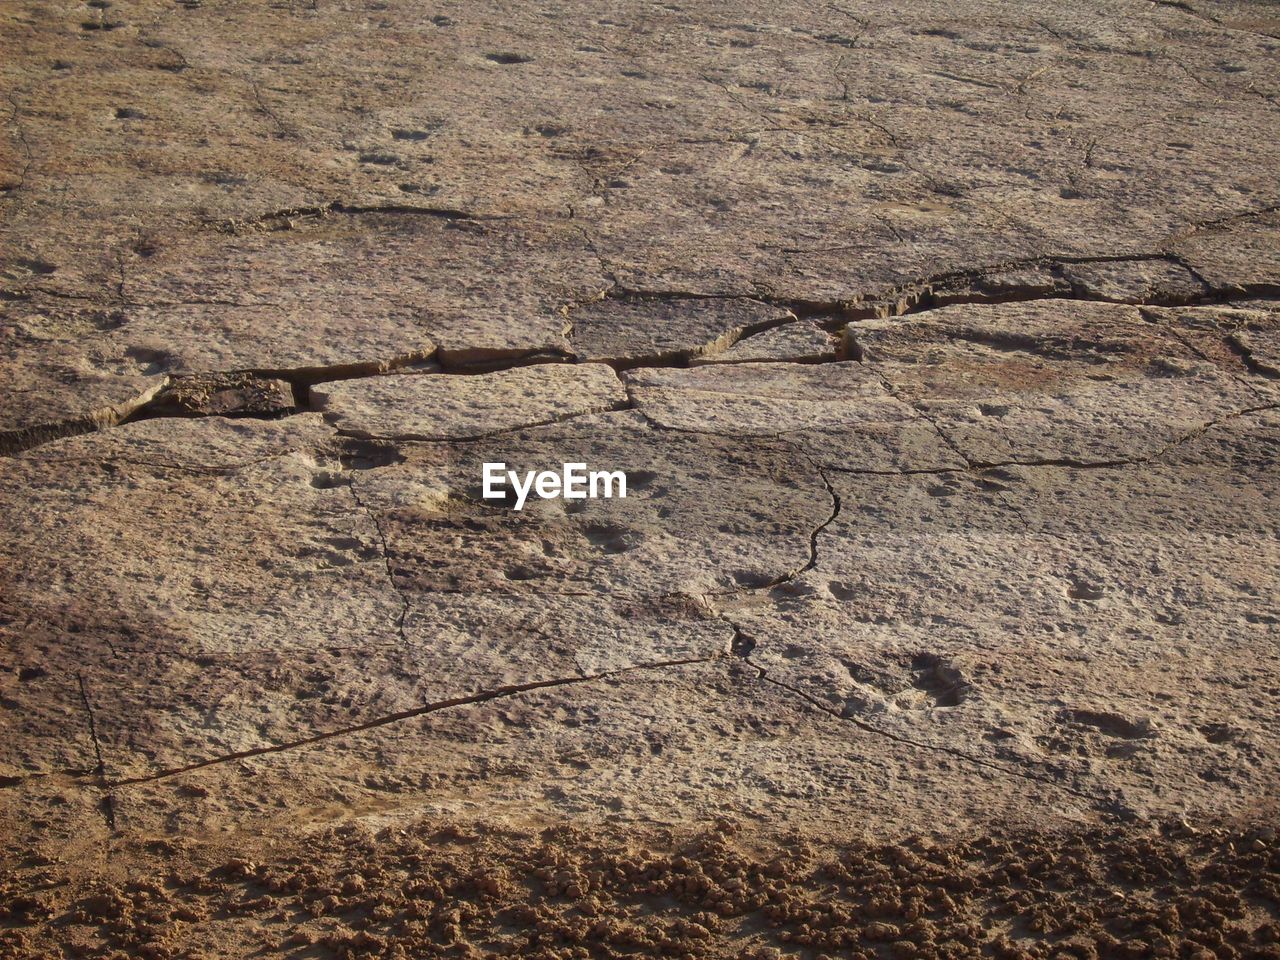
940, 347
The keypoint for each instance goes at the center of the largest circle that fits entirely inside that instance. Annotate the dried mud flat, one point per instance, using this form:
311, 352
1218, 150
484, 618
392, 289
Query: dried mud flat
940, 345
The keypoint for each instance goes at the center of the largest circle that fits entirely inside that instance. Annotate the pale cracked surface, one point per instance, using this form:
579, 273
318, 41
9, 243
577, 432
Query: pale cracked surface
940, 345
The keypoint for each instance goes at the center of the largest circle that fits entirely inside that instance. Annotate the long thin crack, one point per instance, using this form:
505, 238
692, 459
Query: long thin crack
615, 407
970, 465
743, 645
26, 148
924, 416
1188, 9
386, 557
1219, 223
920, 295
814, 534
26, 438
977, 465
351, 370
1103, 802
282, 129
16, 780
831, 316
497, 693
789, 312
1231, 342
1248, 358
288, 218
108, 804
1075, 463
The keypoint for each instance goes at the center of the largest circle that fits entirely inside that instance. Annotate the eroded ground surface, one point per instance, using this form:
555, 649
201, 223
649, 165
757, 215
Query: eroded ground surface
940, 343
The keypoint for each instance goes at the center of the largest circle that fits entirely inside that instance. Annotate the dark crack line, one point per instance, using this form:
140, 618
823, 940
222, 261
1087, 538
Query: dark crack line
1187, 8
181, 63
918, 296
817, 531
615, 407
27, 291
497, 693
892, 390
606, 270
1070, 462
302, 378
943, 435
282, 129
716, 348
169, 304
799, 307
902, 471
1110, 804
1231, 343
1245, 353
386, 559
1209, 289
706, 599
974, 466
1077, 464
147, 405
310, 376
913, 298
9, 782
26, 147
284, 219
198, 469
108, 804
1000, 266
743, 645
738, 101
13, 442
1221, 222
464, 362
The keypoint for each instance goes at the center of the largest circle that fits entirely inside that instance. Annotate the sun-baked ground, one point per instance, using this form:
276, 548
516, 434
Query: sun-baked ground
940, 346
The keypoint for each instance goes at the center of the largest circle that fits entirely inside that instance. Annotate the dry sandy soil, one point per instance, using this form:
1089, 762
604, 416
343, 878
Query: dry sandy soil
940, 342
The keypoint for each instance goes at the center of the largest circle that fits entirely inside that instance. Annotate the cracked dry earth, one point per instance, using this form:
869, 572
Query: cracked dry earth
940, 344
